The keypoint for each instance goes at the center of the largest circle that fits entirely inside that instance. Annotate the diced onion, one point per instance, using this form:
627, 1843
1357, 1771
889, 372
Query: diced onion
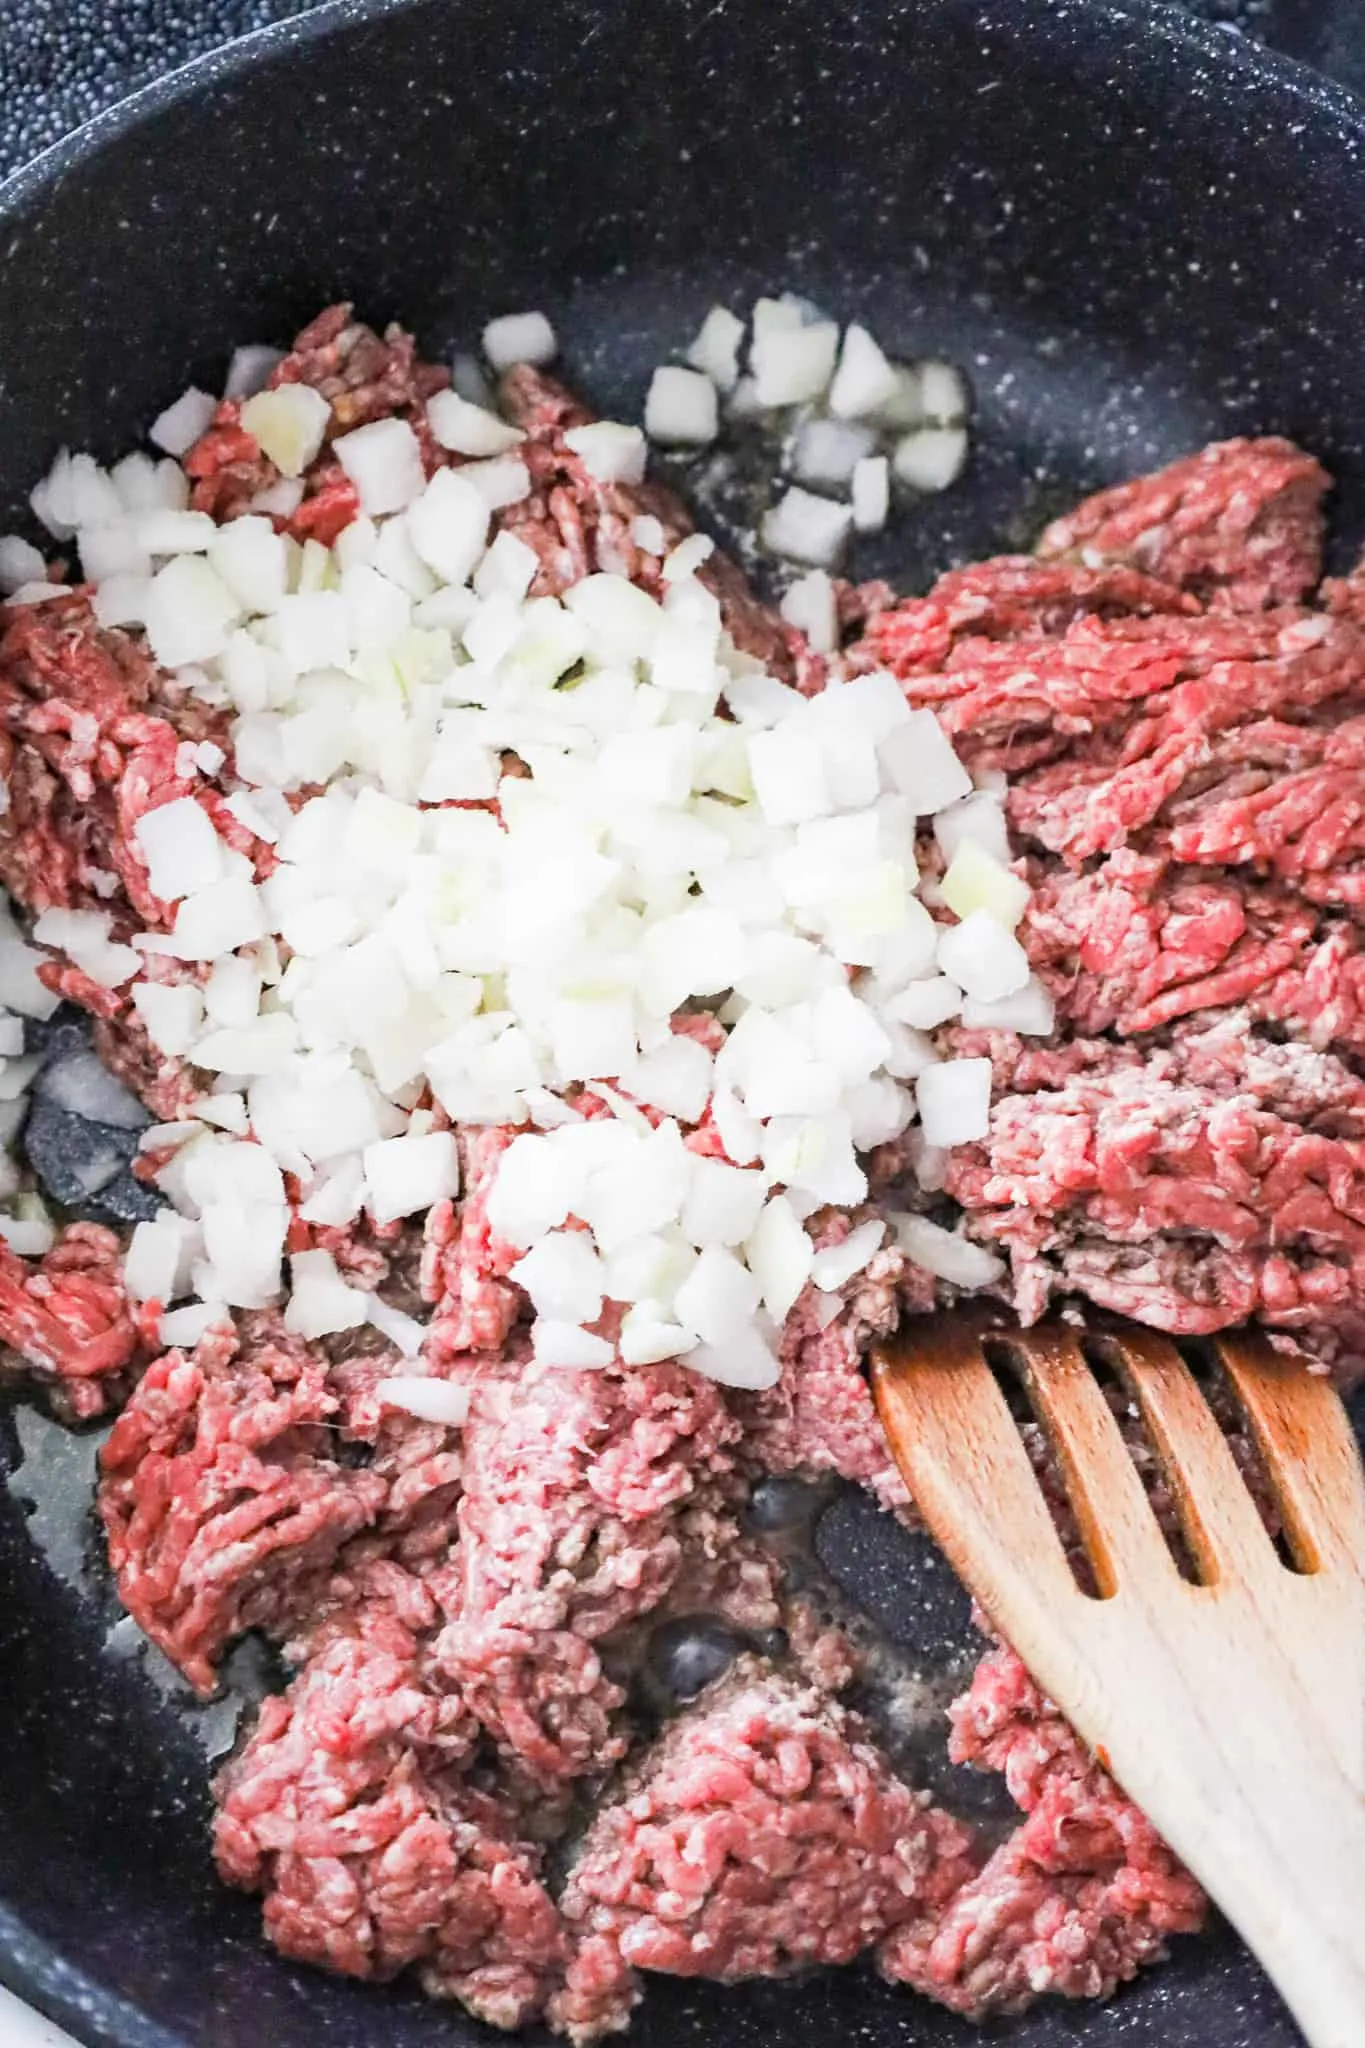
865, 381
249, 369
803, 528
681, 407
793, 365
20, 563
838, 1263
871, 493
566, 1344
1028, 1010
610, 452
519, 338
181, 424
384, 462
943, 393
288, 425
954, 1101
469, 429
430, 1400
809, 605
405, 1175
931, 458
976, 880
919, 757
946, 1253
715, 349
983, 958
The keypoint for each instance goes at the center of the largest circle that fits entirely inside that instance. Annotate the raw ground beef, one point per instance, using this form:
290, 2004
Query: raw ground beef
820, 1417
1239, 524
763, 1835
1213, 1182
66, 1319
222, 1502
1137, 942
582, 1493
1186, 778
1075, 1900
466, 1613
348, 1808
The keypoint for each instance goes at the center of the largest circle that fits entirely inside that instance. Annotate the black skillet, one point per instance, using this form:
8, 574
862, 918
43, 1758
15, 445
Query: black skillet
1137, 234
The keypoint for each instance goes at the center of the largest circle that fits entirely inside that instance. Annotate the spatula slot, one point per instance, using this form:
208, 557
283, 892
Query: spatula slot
1010, 1367
1144, 1451
1303, 1439
1293, 1544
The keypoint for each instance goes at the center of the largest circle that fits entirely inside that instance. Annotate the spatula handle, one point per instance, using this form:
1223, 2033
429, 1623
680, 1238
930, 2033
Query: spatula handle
1289, 1914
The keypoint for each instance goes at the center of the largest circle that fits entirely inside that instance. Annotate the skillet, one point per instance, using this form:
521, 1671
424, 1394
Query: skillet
1135, 233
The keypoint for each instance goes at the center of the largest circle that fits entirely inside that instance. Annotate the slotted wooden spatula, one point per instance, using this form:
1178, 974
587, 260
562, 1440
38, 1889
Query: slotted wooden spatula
1231, 1710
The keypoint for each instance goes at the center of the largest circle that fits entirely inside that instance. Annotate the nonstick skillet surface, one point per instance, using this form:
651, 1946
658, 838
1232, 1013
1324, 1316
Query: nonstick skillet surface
1136, 234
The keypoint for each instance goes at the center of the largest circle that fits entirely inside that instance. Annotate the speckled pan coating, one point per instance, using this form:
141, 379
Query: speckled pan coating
1136, 233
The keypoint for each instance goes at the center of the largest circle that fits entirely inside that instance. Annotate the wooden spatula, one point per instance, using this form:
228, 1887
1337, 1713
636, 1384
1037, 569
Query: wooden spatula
1231, 1710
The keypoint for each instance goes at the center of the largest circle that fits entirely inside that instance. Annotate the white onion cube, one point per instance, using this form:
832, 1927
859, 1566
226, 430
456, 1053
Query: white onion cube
865, 381
718, 1298
384, 461
610, 451
406, 1175
931, 458
793, 365
918, 756
189, 612
801, 527
448, 525
983, 958
809, 605
715, 348
954, 1100
563, 1275
468, 429
182, 851
430, 1400
789, 773
946, 1254
288, 425
681, 407
519, 338
871, 493
779, 1255
723, 1203
172, 1016
554, 1342
181, 424
536, 1186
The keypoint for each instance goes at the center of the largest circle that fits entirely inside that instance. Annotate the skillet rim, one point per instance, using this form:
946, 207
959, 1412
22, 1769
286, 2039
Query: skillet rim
31, 1967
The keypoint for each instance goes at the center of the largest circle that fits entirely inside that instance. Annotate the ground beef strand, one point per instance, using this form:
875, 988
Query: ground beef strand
68, 1321
1240, 524
763, 1836
1217, 1181
1138, 942
222, 1501
1075, 1901
372, 1852
581, 1492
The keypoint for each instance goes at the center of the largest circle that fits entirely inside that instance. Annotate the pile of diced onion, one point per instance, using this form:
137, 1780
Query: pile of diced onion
692, 839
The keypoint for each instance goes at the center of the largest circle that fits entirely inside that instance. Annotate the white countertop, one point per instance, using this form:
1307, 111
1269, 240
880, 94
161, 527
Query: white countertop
22, 2028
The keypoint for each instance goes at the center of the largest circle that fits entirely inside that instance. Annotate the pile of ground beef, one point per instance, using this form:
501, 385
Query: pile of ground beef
1180, 722
462, 1775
